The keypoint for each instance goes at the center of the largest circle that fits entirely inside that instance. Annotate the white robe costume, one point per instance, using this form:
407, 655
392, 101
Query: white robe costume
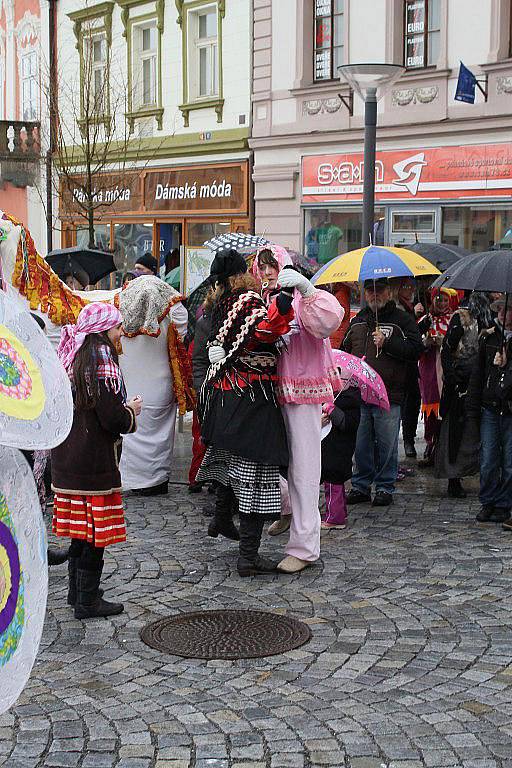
147, 453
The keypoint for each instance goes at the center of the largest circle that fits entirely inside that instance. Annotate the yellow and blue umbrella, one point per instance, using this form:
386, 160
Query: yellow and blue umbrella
372, 263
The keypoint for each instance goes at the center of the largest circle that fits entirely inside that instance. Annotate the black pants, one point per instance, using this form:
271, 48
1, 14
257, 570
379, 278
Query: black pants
89, 557
411, 410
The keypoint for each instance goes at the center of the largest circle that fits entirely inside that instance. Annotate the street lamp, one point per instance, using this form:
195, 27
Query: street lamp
370, 82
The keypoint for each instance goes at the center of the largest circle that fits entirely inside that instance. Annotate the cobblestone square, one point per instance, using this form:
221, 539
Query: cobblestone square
410, 663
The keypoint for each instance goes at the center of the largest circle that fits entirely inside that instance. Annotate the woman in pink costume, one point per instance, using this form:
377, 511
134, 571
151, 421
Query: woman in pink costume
307, 377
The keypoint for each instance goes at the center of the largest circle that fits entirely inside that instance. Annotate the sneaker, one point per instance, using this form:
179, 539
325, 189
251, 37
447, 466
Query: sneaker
485, 513
499, 515
382, 499
358, 497
332, 526
280, 526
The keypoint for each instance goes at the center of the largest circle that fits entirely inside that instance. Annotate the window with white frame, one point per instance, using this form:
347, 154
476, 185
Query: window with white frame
203, 65
329, 38
145, 60
95, 50
422, 36
29, 86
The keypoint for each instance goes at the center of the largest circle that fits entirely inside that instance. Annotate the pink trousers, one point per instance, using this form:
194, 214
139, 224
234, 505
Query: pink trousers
303, 427
335, 504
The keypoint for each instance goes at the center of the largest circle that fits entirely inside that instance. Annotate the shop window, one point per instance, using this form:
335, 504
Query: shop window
198, 232
329, 20
29, 86
422, 33
477, 229
421, 222
130, 242
202, 56
330, 232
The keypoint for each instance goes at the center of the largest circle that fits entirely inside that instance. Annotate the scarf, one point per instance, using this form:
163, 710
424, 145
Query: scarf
94, 318
144, 303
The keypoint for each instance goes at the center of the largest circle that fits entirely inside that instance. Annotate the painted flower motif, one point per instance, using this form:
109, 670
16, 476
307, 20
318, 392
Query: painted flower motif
15, 380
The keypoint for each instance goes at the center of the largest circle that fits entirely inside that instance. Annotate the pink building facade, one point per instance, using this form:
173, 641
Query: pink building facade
444, 167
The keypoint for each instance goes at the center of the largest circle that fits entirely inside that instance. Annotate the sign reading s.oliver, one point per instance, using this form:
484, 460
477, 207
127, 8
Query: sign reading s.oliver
192, 189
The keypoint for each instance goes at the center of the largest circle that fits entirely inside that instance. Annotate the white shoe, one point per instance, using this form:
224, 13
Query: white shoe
280, 526
292, 564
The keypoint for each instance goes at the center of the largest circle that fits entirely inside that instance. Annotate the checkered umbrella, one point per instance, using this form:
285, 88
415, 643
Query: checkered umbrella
237, 240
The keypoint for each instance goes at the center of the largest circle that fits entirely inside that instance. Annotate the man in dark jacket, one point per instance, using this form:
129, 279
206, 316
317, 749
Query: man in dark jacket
389, 341
490, 399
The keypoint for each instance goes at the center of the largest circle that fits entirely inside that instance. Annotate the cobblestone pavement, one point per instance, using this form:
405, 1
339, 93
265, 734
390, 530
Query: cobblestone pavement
410, 663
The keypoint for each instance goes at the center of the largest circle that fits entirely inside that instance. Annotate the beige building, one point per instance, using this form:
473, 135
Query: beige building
443, 167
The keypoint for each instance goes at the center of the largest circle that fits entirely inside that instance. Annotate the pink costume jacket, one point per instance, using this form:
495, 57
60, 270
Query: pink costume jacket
306, 368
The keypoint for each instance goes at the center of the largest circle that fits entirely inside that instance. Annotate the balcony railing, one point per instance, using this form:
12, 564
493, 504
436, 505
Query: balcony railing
19, 141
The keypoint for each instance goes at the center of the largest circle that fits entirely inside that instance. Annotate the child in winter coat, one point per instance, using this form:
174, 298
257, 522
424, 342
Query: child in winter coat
85, 468
337, 451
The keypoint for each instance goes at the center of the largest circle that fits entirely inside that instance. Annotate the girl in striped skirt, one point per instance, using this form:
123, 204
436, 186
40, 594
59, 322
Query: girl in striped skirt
85, 468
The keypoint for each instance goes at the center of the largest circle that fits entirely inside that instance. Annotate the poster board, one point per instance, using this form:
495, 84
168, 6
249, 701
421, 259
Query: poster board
196, 267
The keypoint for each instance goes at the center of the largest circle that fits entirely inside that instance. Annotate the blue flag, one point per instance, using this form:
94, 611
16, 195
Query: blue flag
465, 85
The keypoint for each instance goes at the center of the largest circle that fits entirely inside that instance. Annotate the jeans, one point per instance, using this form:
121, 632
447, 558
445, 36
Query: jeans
496, 460
376, 454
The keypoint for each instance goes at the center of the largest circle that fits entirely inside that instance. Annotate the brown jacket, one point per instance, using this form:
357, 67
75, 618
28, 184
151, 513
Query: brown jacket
87, 462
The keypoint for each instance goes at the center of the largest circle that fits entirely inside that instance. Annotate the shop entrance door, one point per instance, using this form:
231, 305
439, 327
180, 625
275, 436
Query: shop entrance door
169, 242
408, 225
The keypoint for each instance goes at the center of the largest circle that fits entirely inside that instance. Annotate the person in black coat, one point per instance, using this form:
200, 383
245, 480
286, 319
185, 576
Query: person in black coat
337, 452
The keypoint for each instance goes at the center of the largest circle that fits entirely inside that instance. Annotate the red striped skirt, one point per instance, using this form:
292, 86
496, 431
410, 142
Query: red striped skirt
97, 519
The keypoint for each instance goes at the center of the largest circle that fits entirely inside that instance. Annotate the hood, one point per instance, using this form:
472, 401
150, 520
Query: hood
279, 253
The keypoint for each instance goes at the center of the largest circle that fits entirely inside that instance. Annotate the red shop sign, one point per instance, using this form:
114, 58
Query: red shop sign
435, 173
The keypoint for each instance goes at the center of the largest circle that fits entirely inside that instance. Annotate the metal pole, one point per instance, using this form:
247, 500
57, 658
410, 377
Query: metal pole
370, 139
51, 121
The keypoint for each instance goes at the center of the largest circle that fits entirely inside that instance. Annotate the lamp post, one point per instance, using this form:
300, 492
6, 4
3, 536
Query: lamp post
370, 82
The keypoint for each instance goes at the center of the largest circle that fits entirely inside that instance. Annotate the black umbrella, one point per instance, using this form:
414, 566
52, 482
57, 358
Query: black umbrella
439, 254
490, 271
97, 264
239, 240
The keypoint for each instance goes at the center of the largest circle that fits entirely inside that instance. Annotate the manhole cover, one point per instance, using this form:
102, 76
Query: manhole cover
226, 634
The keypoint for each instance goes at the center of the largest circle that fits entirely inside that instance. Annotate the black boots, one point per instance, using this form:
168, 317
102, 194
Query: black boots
89, 604
222, 522
249, 562
72, 569
57, 556
455, 489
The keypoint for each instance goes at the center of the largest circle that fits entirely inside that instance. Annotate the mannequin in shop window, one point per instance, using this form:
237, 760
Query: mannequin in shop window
322, 240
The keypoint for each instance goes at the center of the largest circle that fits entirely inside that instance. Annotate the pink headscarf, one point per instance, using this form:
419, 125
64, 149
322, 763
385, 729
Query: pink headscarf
279, 253
94, 318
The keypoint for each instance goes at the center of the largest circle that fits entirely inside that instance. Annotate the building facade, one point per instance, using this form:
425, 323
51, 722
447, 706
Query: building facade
443, 167
23, 28
174, 78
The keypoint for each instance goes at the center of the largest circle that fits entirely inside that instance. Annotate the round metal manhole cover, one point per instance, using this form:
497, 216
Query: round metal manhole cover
226, 634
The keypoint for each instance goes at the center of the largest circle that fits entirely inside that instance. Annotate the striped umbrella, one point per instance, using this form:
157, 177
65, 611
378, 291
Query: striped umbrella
372, 263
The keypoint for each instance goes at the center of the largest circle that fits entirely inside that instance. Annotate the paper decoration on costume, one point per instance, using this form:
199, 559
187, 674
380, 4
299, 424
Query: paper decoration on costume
325, 430
36, 405
238, 240
23, 575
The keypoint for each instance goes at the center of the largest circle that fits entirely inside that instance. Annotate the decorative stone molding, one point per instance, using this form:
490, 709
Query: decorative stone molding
28, 28
503, 85
321, 106
180, 8
406, 96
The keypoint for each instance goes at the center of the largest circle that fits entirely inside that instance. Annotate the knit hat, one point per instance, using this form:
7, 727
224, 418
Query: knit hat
226, 264
148, 261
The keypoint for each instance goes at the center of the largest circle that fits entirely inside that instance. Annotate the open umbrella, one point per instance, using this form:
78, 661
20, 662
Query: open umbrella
238, 240
357, 373
489, 271
439, 254
97, 264
372, 263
